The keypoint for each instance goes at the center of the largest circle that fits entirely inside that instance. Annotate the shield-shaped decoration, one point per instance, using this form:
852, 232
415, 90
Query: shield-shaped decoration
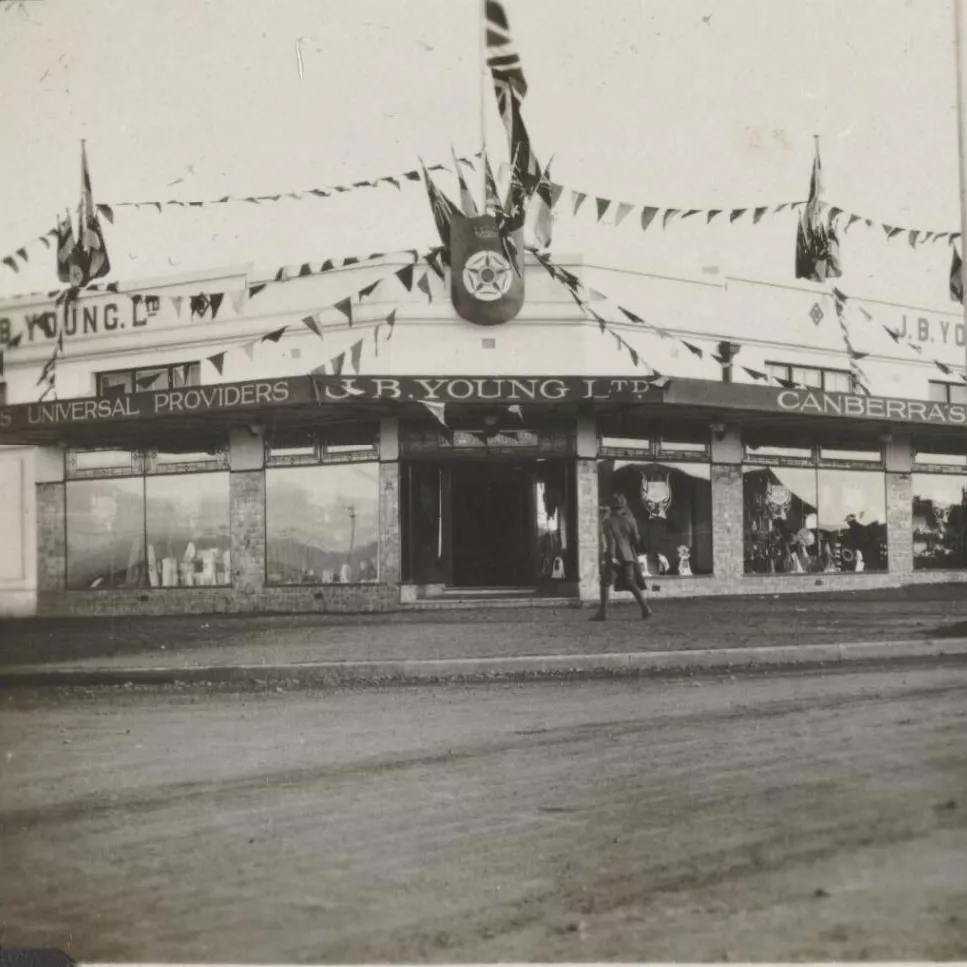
778, 501
656, 494
485, 286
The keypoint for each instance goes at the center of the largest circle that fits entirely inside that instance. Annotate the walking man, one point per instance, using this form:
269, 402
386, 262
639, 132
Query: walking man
619, 532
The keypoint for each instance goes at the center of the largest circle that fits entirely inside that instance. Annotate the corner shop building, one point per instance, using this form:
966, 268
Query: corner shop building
295, 492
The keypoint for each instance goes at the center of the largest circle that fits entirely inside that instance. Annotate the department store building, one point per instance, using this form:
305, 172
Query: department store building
167, 478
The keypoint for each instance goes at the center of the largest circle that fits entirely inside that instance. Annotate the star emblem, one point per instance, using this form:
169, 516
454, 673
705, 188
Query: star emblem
487, 276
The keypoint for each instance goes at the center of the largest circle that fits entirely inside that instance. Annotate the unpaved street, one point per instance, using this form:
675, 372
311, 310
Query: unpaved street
805, 816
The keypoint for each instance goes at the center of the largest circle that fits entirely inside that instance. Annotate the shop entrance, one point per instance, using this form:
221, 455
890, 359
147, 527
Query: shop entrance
490, 512
494, 524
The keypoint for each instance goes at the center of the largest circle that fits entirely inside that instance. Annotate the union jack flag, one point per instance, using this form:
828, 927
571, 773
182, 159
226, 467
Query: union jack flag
502, 57
443, 211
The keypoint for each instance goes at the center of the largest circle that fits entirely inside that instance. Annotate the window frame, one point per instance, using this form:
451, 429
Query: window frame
823, 371
948, 386
132, 373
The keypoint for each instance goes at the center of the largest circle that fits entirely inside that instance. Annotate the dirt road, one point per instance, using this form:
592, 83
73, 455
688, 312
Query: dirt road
811, 816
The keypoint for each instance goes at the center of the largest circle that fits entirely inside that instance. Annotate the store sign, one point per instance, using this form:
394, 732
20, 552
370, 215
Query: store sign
819, 403
306, 390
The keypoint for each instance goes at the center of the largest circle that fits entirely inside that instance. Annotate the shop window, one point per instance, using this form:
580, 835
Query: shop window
806, 520
939, 518
188, 530
941, 392
105, 534
322, 524
146, 379
137, 519
672, 505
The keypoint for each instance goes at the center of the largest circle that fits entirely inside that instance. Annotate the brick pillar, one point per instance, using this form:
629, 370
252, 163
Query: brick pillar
727, 534
248, 530
51, 537
390, 540
588, 529
899, 523
898, 460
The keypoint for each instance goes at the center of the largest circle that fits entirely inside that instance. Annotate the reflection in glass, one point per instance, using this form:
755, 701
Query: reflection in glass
92, 460
939, 504
550, 501
779, 517
852, 520
105, 533
866, 456
672, 504
322, 524
189, 538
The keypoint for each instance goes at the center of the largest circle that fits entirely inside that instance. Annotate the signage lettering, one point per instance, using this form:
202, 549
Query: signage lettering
871, 407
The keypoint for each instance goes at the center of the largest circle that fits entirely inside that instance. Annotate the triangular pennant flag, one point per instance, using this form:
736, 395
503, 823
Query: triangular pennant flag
596, 295
894, 335
834, 213
631, 316
368, 290
516, 410
15, 342
690, 212
912, 237
693, 349
621, 211
669, 214
712, 213
603, 205
781, 207
928, 236
736, 213
22, 252
311, 323
249, 350
786, 383
216, 303
439, 411
411, 175
852, 218
218, 361
755, 373
238, 300
275, 335
424, 286
757, 214
405, 275
894, 232
391, 322
337, 363
9, 260
647, 216
356, 354
107, 212
577, 199
433, 260
176, 301
345, 306
254, 290
946, 370
556, 192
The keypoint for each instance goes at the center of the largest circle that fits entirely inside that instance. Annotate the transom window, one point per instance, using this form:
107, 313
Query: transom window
831, 380
146, 379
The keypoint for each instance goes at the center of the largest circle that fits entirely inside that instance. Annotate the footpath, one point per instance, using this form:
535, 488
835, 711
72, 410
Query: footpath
763, 631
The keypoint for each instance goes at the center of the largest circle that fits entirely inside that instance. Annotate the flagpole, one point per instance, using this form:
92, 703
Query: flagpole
960, 27
482, 13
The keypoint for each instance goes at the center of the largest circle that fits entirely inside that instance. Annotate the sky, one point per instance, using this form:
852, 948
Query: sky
688, 104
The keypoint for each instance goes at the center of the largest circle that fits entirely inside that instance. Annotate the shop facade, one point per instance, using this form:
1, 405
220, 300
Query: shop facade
397, 486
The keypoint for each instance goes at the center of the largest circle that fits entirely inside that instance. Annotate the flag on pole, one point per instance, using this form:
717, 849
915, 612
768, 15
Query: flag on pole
540, 219
510, 88
817, 247
466, 197
65, 247
89, 259
443, 211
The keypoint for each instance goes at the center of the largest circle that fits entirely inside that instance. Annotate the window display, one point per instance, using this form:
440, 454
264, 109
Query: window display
672, 504
801, 520
188, 530
939, 503
105, 533
322, 524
